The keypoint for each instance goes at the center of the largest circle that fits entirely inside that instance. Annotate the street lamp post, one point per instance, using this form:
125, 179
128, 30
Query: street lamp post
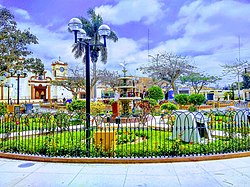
8, 85
2, 78
75, 25
18, 73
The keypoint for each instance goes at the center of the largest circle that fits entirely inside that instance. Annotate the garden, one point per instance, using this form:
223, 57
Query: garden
158, 130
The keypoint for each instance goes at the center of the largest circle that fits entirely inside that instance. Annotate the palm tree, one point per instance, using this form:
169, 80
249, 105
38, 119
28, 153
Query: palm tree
91, 26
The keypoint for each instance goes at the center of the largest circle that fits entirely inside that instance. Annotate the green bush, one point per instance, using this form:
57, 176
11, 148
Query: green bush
152, 102
181, 99
156, 93
80, 105
169, 106
77, 105
196, 99
3, 109
192, 109
97, 108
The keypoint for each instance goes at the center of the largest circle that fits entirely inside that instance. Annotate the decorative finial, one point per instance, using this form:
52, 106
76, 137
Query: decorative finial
124, 68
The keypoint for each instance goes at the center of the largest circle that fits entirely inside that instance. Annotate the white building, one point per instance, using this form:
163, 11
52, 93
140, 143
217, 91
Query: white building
37, 88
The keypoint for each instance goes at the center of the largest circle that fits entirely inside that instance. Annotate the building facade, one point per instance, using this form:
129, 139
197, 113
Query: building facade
34, 88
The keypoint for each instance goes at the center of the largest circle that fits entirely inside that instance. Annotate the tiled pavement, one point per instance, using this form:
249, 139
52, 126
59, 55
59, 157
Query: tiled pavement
228, 172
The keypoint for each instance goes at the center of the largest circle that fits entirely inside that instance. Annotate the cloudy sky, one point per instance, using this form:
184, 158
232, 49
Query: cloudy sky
211, 32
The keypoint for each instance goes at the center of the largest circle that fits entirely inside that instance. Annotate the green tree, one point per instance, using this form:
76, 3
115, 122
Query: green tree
167, 67
181, 99
236, 69
14, 43
155, 92
91, 26
197, 80
152, 102
246, 80
196, 99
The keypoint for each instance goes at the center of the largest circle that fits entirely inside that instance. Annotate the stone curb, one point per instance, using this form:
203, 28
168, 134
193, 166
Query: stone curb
123, 160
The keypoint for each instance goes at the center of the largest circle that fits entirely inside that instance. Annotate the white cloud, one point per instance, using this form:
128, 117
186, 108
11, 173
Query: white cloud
202, 37
206, 31
211, 28
126, 11
51, 45
122, 48
21, 13
200, 17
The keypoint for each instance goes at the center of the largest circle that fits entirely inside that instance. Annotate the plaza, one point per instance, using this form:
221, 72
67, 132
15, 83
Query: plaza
124, 93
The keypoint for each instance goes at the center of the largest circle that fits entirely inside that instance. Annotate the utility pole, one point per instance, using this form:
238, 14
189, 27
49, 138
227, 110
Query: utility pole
239, 71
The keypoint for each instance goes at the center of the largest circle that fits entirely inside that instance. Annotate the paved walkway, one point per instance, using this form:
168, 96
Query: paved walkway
228, 172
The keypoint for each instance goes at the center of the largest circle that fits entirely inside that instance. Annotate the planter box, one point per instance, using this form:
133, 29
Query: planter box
105, 139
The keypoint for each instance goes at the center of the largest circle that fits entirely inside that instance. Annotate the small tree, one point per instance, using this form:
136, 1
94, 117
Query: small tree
196, 99
14, 46
108, 78
197, 80
236, 69
181, 99
152, 102
156, 93
167, 67
169, 106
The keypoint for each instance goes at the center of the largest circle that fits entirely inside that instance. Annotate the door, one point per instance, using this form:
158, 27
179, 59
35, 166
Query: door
40, 92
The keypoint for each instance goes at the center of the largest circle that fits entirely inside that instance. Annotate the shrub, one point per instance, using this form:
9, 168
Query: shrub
196, 99
97, 108
80, 106
152, 102
77, 105
169, 106
156, 93
3, 109
192, 109
181, 99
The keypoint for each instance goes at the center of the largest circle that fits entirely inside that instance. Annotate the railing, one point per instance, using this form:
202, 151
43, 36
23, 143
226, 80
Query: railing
241, 104
169, 135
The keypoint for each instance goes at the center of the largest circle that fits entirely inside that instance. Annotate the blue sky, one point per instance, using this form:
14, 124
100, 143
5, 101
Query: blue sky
206, 30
